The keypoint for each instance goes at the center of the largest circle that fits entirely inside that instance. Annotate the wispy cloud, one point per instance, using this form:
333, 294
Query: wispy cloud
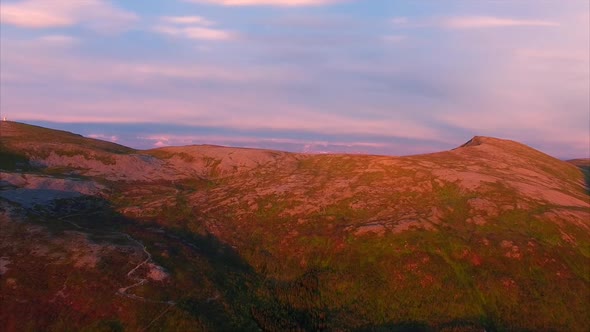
58, 40
305, 145
469, 22
553, 55
187, 20
112, 138
26, 14
72, 70
345, 71
283, 3
39, 14
194, 32
479, 22
191, 27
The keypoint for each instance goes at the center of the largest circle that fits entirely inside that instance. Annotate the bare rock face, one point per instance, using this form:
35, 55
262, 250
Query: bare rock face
30, 189
32, 181
216, 161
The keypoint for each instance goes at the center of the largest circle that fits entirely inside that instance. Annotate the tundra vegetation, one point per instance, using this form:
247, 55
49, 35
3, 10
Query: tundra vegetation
492, 235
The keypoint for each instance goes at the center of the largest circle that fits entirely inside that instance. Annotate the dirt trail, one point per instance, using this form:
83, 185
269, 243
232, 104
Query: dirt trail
139, 281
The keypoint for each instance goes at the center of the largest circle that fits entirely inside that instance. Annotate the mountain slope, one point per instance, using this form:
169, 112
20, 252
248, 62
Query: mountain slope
491, 235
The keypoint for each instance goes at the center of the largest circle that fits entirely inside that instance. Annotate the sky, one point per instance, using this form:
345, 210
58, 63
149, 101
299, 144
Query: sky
367, 76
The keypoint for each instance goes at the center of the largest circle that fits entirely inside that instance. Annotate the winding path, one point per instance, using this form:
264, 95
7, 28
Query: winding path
139, 281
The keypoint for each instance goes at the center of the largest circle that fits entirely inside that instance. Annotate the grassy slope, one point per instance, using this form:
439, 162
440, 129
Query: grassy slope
364, 242
516, 271
519, 270
19, 142
25, 133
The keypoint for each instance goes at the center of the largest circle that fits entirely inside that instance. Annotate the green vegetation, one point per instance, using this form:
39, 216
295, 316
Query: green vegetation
12, 161
312, 243
20, 133
165, 154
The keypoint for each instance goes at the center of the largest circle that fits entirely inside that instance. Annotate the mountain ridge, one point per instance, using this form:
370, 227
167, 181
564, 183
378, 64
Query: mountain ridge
14, 129
23, 129
269, 240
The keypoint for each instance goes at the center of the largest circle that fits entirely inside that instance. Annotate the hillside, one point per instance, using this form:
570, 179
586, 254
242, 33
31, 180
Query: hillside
491, 235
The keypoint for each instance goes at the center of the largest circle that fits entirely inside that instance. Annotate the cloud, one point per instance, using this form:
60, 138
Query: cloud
302, 144
25, 15
191, 27
469, 22
58, 40
37, 60
553, 55
320, 73
506, 82
112, 138
220, 110
532, 90
479, 22
40, 14
194, 32
280, 3
187, 20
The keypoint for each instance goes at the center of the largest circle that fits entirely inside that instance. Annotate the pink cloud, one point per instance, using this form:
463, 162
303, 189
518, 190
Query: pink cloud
59, 40
112, 138
242, 107
552, 54
295, 145
187, 20
29, 14
471, 22
21, 62
513, 83
171, 139
284, 3
194, 32
191, 27
39, 14
219, 110
531, 89
479, 22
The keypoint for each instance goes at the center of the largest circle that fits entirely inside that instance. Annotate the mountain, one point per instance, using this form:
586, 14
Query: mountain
492, 235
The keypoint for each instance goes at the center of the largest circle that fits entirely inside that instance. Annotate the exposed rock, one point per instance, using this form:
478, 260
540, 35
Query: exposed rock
378, 229
4, 262
156, 272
